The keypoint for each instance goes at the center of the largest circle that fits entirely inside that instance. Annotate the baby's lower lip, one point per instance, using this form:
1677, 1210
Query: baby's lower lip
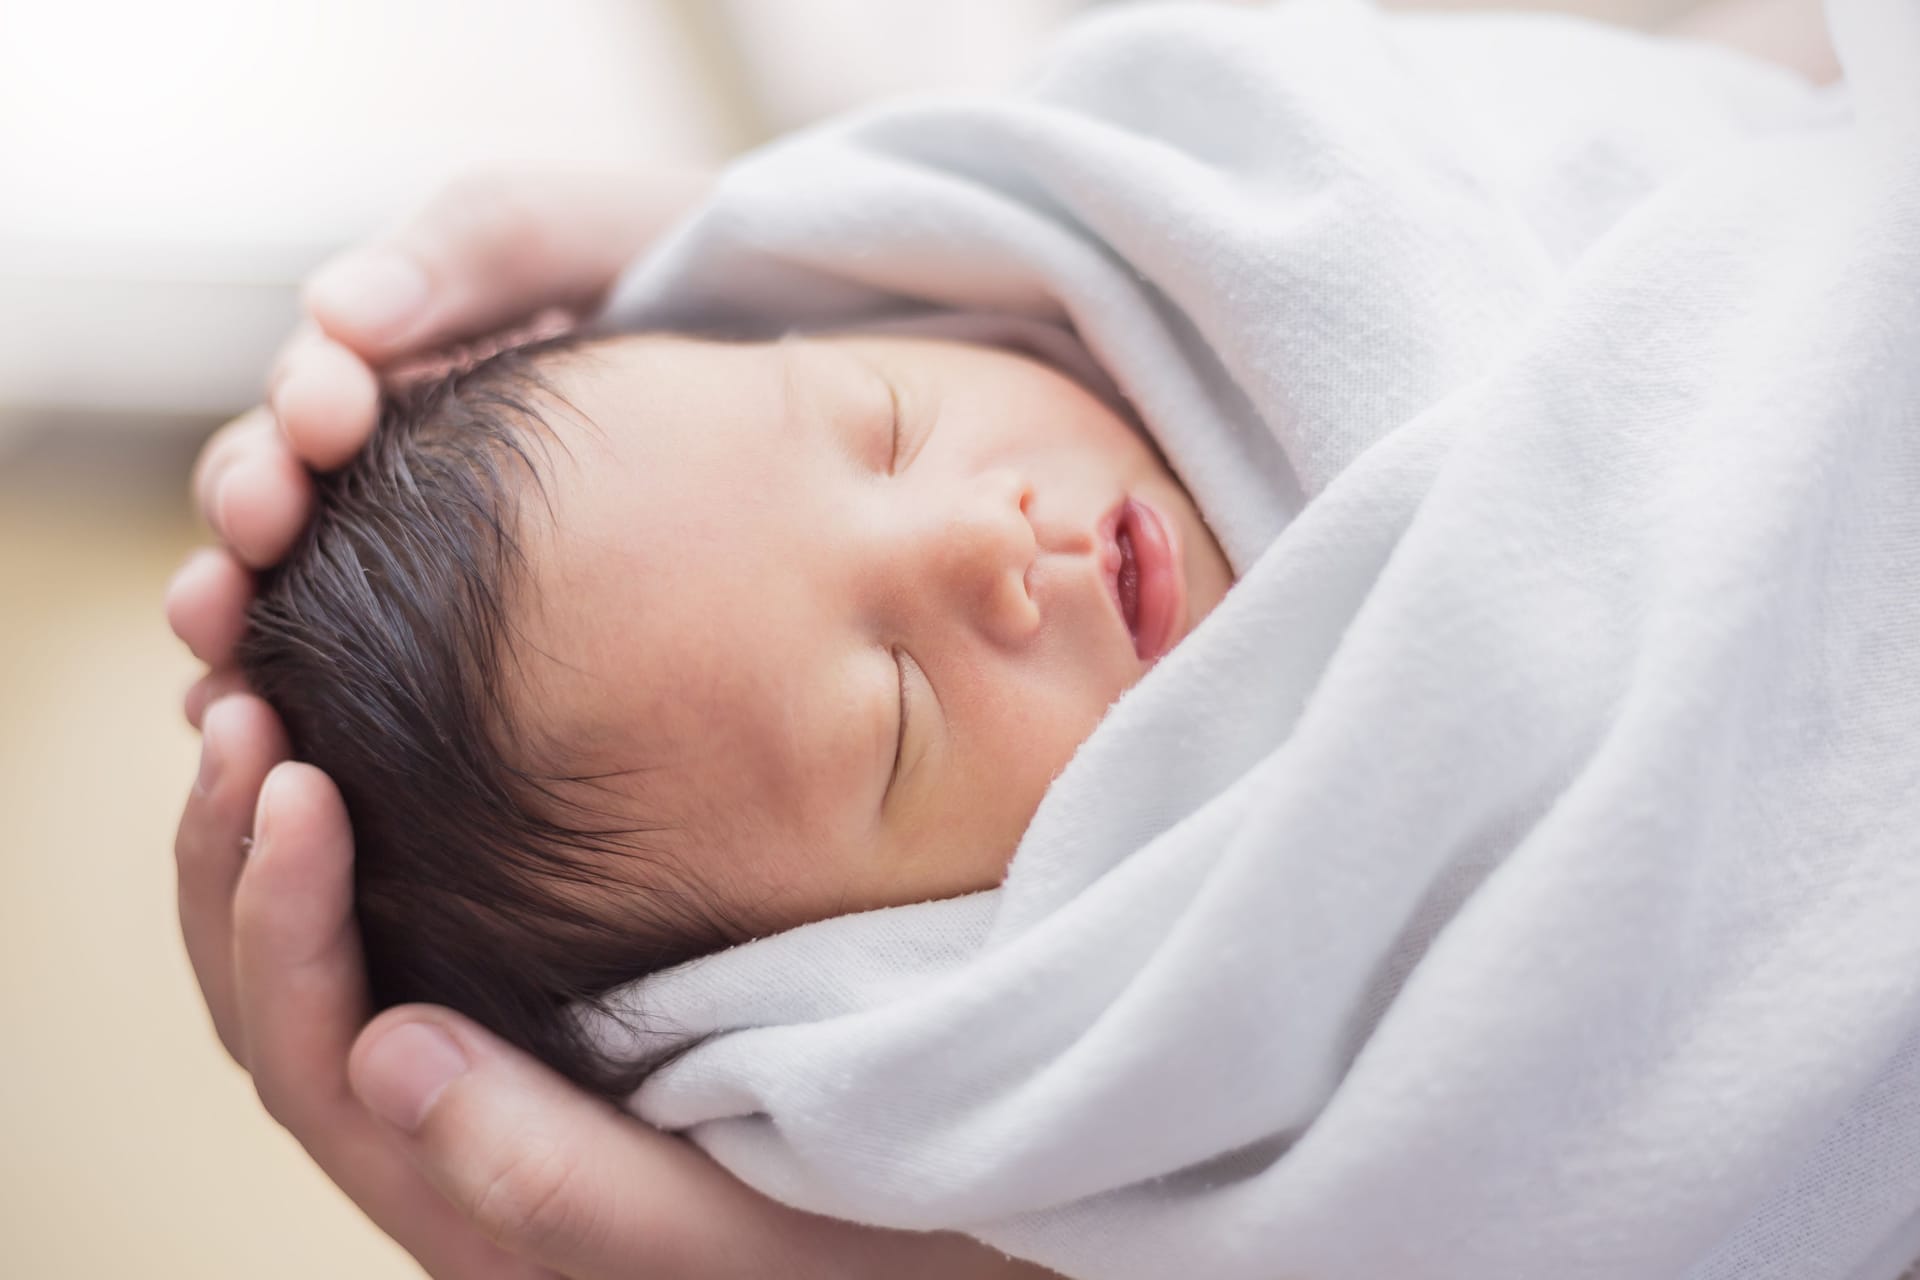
1162, 588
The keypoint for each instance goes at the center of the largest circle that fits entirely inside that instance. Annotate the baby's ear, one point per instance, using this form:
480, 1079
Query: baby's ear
551, 323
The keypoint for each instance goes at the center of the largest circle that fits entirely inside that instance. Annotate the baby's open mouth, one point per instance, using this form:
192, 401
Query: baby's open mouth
1142, 563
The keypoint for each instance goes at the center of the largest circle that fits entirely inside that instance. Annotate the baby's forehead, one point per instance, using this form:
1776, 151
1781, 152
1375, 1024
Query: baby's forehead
671, 365
650, 406
671, 388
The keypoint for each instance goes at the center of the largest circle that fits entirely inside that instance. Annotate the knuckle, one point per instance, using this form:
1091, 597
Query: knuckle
221, 448
199, 844
230, 1039
189, 841
274, 1101
486, 211
296, 352
528, 1202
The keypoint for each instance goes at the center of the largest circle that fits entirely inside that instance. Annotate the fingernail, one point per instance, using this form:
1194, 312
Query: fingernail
209, 488
222, 488
195, 702
210, 761
256, 844
374, 288
188, 568
406, 1070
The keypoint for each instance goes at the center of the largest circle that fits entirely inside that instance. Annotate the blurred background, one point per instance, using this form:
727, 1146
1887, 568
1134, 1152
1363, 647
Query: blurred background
168, 173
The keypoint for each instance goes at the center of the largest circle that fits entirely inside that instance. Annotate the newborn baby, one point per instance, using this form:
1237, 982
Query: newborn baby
626, 649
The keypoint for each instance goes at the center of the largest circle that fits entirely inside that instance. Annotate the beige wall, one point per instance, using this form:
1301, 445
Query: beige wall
129, 1145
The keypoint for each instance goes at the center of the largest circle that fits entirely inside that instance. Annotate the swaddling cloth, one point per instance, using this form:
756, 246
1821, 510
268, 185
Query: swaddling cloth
1516, 875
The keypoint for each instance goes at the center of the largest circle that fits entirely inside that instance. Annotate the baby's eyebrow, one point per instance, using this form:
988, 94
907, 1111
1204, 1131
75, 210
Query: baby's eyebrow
789, 401
798, 391
806, 386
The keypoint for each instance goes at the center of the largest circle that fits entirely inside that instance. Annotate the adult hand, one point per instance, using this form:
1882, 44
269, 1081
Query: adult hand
478, 1160
487, 253
1792, 33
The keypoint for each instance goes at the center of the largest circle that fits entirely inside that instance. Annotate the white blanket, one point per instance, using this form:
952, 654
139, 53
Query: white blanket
1519, 874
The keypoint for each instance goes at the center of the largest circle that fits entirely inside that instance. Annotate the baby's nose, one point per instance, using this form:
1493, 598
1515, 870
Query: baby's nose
980, 553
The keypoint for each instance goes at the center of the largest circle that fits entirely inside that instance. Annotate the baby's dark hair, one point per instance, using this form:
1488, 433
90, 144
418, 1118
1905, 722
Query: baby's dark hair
383, 641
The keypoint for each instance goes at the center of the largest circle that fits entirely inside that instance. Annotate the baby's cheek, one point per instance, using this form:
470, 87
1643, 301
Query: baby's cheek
1037, 749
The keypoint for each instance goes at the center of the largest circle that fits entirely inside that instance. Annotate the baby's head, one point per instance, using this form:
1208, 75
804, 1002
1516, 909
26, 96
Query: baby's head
625, 650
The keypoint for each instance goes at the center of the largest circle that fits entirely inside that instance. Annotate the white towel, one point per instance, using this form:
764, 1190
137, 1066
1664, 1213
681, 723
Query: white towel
1518, 875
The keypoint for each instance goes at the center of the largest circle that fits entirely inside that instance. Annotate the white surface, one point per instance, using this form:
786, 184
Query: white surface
169, 170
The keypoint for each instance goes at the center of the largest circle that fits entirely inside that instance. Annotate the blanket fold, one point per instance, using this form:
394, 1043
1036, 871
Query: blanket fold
1518, 874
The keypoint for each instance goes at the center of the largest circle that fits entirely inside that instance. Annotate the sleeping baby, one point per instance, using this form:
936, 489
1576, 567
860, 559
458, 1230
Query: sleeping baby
625, 650
1288, 652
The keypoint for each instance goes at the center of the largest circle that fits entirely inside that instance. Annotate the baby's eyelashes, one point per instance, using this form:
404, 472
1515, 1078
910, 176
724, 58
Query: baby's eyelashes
893, 402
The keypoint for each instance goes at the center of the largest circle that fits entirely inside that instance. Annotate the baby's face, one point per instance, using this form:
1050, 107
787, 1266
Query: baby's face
826, 675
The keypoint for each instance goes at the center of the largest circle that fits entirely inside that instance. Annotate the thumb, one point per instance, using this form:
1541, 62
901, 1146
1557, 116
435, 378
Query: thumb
488, 252
555, 1176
